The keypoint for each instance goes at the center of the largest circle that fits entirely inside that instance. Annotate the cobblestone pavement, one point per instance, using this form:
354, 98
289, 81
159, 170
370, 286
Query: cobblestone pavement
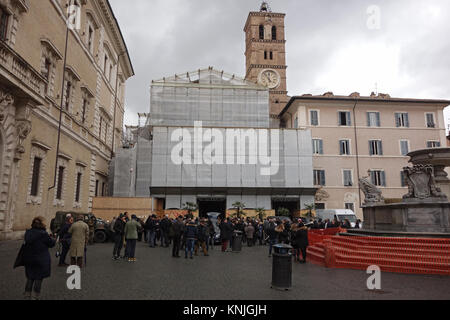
221, 276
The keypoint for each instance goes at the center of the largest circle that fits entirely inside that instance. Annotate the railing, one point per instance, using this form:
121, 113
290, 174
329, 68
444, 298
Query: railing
22, 70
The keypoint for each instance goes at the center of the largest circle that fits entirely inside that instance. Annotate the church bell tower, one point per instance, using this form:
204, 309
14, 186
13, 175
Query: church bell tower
266, 55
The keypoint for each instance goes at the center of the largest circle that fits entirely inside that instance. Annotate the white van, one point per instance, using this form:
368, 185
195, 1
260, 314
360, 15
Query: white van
339, 214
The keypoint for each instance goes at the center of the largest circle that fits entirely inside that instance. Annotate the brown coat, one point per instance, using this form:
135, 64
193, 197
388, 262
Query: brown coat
80, 238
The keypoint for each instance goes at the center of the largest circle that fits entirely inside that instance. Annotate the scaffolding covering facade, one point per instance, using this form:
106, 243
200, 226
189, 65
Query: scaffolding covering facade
213, 97
208, 135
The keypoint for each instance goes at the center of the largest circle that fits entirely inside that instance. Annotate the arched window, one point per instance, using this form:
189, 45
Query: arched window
261, 32
274, 33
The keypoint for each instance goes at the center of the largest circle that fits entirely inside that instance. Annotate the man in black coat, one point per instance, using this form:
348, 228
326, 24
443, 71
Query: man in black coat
64, 239
202, 237
273, 236
176, 231
119, 227
301, 240
226, 233
165, 228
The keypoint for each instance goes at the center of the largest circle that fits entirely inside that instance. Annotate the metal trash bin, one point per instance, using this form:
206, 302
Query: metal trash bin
282, 267
237, 241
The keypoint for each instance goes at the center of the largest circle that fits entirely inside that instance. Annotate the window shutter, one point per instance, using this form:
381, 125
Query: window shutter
378, 119
349, 118
368, 119
406, 120
322, 177
372, 177
397, 120
380, 148
321, 146
371, 147
315, 117
383, 178
341, 147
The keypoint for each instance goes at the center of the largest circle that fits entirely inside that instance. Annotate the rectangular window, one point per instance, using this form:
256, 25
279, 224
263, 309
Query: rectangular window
375, 148
35, 178
403, 179
402, 120
78, 189
319, 177
60, 183
344, 147
4, 17
83, 111
96, 187
373, 119
90, 39
265, 55
348, 179
320, 206
345, 118
430, 120
350, 206
317, 146
100, 129
314, 117
433, 144
68, 91
378, 178
271, 55
404, 147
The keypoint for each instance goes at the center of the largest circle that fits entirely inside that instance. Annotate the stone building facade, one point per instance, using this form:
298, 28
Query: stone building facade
355, 137
35, 181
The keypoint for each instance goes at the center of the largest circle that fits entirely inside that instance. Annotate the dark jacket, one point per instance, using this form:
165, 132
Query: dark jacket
119, 227
226, 231
165, 225
300, 238
273, 235
36, 255
64, 235
177, 229
202, 232
190, 231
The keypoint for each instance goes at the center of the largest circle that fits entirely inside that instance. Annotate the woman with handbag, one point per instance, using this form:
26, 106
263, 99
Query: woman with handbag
36, 257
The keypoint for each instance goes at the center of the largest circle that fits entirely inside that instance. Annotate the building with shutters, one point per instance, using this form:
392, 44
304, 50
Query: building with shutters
357, 136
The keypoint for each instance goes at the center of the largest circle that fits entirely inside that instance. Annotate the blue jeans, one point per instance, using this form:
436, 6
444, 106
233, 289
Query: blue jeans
189, 247
151, 238
271, 243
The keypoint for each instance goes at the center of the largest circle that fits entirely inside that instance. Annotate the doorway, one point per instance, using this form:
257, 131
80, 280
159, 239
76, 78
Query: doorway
206, 205
293, 205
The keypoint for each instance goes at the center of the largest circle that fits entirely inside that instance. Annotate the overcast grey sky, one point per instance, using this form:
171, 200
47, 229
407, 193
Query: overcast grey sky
329, 44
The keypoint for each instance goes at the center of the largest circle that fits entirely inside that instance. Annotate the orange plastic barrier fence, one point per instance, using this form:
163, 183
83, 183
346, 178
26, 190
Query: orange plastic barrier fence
319, 235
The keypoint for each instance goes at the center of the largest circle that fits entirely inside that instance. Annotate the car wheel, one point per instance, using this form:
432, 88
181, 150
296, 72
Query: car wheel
100, 237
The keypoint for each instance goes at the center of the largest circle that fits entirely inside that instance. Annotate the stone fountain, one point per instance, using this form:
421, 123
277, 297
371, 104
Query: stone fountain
423, 211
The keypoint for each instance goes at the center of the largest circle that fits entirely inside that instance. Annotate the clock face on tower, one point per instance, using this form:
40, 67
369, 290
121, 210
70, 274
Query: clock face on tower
269, 78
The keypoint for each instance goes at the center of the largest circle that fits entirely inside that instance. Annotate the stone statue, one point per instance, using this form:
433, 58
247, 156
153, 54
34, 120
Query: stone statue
371, 192
421, 183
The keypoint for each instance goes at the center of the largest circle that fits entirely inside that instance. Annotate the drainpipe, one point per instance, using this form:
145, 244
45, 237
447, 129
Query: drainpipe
61, 105
357, 151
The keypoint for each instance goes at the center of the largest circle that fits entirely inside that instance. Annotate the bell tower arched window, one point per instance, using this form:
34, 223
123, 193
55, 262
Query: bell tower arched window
274, 33
261, 32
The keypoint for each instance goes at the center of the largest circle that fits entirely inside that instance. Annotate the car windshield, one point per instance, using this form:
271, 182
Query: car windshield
350, 217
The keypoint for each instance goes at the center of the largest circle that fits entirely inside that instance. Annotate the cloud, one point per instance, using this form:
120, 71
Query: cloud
329, 46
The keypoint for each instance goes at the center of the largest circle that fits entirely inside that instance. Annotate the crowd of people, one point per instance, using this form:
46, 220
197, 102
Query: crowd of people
183, 233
